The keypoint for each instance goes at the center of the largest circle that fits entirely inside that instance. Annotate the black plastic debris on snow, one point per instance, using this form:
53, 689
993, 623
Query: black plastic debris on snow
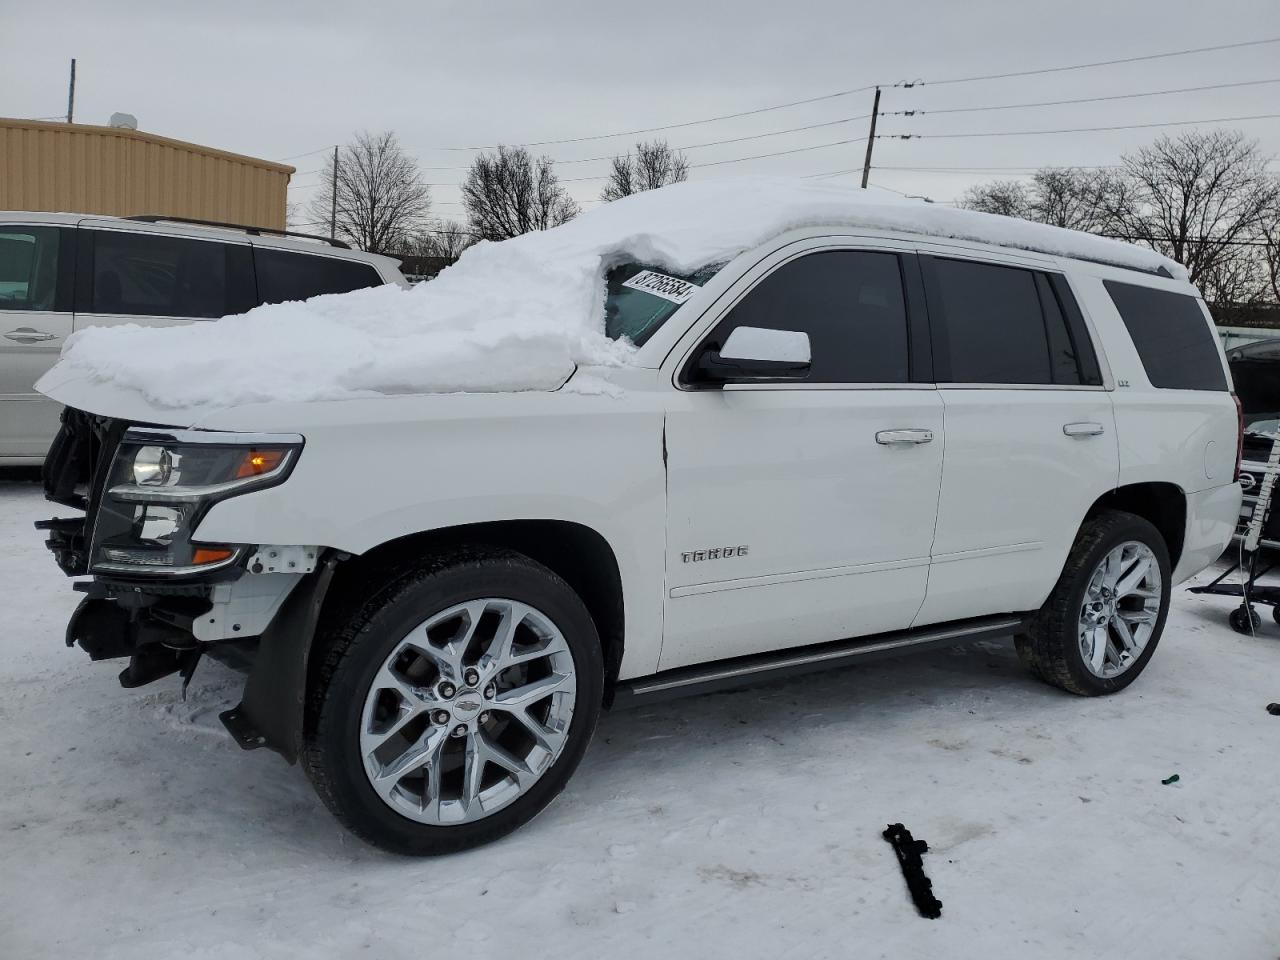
910, 853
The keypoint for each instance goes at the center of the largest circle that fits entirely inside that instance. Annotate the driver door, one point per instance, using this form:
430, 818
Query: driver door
802, 511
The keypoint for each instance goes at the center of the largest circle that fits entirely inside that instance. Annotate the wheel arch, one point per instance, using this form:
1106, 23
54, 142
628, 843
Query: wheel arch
577, 553
1162, 504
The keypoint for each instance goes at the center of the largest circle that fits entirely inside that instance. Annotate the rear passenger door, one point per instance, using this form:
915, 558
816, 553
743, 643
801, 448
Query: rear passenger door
1030, 433
159, 278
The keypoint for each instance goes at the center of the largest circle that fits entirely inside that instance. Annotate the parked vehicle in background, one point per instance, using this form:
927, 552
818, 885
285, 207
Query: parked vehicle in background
1268, 349
1255, 372
62, 272
839, 442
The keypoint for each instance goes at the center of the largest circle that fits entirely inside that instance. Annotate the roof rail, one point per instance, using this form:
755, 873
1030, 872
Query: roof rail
256, 231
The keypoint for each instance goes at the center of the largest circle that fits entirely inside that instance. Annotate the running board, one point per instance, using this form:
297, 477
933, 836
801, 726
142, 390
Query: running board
759, 668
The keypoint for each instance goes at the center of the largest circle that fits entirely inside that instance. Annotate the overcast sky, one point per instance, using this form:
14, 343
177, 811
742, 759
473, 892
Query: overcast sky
279, 79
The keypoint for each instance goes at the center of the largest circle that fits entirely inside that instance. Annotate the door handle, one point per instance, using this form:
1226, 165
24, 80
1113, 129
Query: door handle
28, 335
908, 437
1085, 428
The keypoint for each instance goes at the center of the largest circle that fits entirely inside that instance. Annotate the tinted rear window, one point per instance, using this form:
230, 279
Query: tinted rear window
286, 276
1178, 350
994, 330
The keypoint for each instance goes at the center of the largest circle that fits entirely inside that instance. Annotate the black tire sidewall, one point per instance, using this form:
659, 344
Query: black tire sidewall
1125, 528
335, 742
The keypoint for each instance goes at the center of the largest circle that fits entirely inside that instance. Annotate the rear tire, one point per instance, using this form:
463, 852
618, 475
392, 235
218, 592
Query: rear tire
1091, 638
428, 729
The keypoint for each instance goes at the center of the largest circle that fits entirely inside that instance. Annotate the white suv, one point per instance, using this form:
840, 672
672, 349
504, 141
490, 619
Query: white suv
62, 272
844, 442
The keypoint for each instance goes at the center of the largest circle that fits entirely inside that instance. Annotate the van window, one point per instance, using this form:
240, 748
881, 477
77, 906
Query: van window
284, 276
30, 278
850, 303
152, 275
1178, 350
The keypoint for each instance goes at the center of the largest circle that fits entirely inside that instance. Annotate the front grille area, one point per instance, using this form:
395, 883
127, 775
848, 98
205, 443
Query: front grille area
74, 475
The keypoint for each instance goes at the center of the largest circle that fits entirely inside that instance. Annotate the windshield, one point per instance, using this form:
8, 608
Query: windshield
641, 298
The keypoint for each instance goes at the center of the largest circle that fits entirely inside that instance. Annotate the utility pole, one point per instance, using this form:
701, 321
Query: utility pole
333, 199
71, 92
871, 139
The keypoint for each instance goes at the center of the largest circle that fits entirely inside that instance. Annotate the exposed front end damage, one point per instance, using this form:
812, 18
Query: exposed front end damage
162, 598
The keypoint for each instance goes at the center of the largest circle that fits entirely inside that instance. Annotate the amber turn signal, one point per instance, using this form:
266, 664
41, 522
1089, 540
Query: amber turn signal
205, 555
257, 462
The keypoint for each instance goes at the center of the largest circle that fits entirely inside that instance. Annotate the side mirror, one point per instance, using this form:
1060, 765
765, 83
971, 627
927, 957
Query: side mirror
754, 353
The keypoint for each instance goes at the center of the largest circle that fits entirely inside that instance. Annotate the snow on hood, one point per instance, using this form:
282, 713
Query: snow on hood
516, 315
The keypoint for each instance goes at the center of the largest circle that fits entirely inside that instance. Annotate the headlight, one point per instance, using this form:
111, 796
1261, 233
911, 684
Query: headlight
161, 485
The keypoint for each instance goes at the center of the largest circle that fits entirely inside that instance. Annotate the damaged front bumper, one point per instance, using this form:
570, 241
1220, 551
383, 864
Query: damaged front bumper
256, 613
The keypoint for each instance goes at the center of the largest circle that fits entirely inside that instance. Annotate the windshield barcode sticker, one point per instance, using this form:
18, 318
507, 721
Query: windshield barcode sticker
660, 285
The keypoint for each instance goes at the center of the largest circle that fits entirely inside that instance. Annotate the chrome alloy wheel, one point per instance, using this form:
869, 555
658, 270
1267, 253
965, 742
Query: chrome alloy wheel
1120, 609
468, 711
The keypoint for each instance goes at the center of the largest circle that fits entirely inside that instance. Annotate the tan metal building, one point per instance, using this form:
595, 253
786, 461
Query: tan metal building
78, 168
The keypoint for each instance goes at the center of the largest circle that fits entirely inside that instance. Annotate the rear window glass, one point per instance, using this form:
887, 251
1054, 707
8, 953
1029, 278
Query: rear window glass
994, 330
1178, 350
284, 276
639, 299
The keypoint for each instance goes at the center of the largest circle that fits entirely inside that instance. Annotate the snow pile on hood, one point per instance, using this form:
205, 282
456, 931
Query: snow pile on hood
517, 315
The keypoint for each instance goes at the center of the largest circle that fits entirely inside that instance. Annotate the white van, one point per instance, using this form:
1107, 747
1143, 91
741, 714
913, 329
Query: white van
62, 272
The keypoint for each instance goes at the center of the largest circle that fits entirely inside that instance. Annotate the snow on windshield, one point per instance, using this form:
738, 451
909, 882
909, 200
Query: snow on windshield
516, 315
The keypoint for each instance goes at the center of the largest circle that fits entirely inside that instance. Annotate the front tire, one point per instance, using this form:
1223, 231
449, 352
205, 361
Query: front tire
455, 704
1102, 622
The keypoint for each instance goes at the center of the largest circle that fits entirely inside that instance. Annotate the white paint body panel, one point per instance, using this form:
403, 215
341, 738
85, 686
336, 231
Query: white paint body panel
840, 531
838, 526
1014, 490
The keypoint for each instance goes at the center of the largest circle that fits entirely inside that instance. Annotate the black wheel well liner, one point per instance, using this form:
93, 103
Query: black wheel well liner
573, 551
1161, 503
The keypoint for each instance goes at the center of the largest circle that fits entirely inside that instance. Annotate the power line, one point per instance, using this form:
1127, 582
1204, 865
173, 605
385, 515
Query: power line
1057, 103
1044, 166
670, 126
779, 153
840, 93
1032, 133
1098, 63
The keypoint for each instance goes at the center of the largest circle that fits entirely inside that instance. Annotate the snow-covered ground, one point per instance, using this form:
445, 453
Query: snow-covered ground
736, 825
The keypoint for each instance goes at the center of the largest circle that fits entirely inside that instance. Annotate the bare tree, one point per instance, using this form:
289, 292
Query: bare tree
1195, 197
445, 239
510, 192
1008, 198
381, 195
1073, 197
653, 165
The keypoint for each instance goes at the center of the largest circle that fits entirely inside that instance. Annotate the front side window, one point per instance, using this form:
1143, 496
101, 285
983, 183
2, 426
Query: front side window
849, 302
29, 274
1177, 348
152, 275
285, 276
639, 299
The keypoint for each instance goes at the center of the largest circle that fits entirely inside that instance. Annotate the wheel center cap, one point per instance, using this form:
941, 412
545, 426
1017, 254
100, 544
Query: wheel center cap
467, 706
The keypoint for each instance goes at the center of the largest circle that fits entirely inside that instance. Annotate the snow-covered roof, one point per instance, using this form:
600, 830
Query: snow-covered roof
516, 315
